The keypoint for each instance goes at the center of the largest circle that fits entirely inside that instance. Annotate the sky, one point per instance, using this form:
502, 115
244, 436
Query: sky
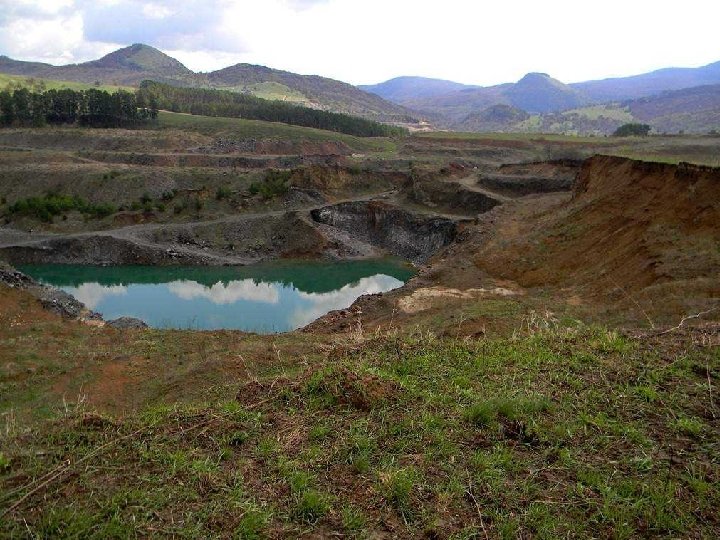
369, 41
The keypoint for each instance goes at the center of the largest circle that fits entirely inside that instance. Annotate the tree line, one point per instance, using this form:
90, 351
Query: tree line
224, 103
93, 108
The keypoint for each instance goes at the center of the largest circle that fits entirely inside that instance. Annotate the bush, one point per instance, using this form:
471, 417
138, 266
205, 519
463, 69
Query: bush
47, 207
631, 130
223, 192
275, 184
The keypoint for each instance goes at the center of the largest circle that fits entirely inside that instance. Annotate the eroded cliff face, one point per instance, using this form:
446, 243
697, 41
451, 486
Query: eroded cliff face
632, 227
398, 231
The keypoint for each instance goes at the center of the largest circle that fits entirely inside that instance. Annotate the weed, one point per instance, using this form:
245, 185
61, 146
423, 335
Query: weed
251, 525
689, 426
223, 192
352, 519
310, 506
397, 487
484, 413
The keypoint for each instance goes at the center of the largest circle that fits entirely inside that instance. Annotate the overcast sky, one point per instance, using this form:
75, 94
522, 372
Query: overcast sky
367, 41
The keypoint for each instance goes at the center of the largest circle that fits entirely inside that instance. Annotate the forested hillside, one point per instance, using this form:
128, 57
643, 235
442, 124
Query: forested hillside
230, 104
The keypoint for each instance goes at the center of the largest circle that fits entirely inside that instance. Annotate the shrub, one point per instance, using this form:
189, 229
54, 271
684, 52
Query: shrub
630, 130
223, 192
275, 184
47, 207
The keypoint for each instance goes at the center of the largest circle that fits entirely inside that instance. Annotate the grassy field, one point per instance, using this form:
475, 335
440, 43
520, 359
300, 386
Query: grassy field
540, 137
27, 82
241, 128
698, 149
560, 430
270, 90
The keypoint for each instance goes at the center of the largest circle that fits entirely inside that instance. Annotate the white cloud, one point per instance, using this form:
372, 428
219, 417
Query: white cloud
245, 289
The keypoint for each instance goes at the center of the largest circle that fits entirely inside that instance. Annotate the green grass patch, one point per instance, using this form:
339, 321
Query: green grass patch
52, 204
242, 129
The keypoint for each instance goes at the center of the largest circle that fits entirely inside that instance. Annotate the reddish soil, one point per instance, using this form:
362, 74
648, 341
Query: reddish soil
630, 226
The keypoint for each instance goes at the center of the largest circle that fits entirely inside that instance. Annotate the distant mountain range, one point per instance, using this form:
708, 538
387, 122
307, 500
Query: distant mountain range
670, 99
537, 101
131, 65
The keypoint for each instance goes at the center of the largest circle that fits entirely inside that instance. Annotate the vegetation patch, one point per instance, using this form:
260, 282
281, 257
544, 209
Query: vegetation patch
53, 204
550, 433
275, 184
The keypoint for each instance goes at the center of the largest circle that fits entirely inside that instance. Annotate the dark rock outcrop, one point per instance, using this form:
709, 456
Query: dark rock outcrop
52, 299
401, 233
127, 323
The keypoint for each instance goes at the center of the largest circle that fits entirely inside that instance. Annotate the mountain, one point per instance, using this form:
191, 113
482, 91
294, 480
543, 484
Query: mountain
402, 89
540, 93
141, 58
648, 84
125, 67
131, 65
534, 93
320, 92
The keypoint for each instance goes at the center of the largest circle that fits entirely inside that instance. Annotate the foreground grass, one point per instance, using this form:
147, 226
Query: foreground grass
558, 432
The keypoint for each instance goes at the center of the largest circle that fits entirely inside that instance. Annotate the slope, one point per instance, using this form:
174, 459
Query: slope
321, 92
633, 229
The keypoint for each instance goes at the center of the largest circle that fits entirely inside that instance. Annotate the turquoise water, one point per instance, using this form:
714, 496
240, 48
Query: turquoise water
265, 298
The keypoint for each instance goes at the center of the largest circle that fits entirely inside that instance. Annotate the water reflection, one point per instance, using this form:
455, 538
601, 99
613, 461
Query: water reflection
318, 304
246, 289
92, 294
246, 304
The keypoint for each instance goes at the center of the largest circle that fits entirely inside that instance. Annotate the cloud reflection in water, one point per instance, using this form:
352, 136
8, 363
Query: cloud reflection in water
244, 304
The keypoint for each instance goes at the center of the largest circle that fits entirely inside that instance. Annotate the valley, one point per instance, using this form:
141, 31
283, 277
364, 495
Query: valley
481, 334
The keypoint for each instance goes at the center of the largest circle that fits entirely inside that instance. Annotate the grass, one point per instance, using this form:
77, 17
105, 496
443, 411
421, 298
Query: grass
570, 431
270, 90
241, 128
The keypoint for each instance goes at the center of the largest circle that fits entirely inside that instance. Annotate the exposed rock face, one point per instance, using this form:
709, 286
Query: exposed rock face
401, 233
52, 299
518, 180
102, 250
127, 323
452, 196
